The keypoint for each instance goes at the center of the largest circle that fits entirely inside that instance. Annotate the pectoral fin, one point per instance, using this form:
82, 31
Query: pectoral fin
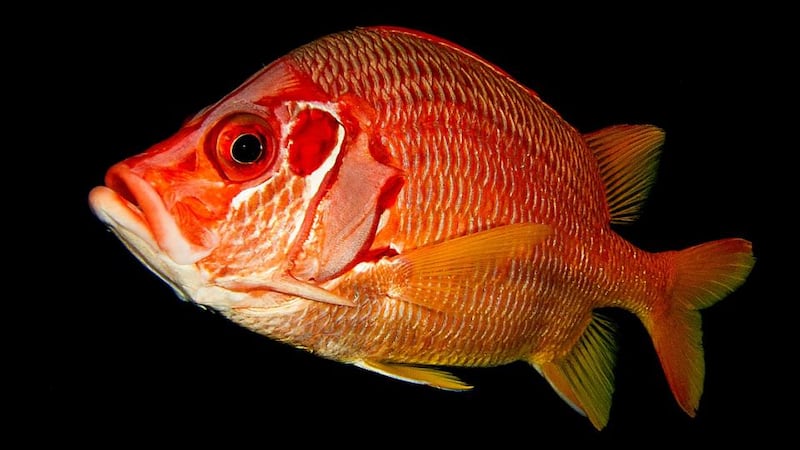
584, 377
440, 276
415, 374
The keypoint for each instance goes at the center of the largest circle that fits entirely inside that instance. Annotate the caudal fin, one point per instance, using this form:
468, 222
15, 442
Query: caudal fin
703, 275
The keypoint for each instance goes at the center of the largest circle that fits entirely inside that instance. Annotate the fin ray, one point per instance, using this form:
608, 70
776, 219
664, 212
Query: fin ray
703, 275
628, 158
584, 377
438, 276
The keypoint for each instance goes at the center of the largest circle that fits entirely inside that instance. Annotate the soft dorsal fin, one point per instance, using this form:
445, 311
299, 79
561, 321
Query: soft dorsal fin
584, 377
628, 159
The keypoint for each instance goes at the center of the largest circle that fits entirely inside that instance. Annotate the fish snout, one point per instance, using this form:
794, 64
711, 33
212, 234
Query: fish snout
128, 201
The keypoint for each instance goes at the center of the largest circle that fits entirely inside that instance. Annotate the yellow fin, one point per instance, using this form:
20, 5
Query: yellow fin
628, 159
439, 276
703, 275
415, 374
584, 377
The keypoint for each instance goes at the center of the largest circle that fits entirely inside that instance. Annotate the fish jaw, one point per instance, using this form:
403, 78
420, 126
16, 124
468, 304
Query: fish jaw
147, 218
132, 208
189, 281
129, 224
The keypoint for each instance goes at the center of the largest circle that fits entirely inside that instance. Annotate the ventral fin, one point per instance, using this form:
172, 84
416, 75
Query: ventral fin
628, 158
584, 377
439, 276
416, 374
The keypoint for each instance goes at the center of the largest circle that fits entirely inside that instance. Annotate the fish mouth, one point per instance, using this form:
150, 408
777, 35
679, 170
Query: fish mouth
130, 206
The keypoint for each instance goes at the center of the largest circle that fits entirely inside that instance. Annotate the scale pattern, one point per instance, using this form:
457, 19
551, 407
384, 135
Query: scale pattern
478, 150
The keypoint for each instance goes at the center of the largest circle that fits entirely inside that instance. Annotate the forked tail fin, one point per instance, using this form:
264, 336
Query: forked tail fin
702, 275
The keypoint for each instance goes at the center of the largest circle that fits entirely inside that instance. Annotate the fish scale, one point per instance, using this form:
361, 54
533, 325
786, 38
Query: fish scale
527, 332
456, 220
483, 93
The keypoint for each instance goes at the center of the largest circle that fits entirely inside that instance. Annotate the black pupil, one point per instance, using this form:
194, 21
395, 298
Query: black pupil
246, 149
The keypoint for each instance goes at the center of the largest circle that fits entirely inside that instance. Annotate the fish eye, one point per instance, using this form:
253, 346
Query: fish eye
247, 149
243, 146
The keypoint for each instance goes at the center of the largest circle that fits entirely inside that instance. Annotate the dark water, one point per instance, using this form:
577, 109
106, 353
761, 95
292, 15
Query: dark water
118, 353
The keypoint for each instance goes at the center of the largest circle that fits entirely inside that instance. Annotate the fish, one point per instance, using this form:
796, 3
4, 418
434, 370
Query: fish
388, 199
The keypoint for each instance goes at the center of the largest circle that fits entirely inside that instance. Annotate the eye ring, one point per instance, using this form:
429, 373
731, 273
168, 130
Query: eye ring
244, 147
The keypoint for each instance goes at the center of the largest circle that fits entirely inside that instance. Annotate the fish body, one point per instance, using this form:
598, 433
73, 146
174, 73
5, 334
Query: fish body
385, 198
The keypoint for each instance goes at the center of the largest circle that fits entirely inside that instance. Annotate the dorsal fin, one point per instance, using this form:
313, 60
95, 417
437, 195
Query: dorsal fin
628, 159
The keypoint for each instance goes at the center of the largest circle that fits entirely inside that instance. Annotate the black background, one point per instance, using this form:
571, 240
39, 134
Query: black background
115, 355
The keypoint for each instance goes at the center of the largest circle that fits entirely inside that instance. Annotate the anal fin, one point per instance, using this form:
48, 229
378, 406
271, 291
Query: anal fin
416, 374
584, 377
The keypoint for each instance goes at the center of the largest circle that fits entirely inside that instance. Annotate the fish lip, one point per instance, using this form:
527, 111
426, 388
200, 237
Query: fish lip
119, 214
128, 203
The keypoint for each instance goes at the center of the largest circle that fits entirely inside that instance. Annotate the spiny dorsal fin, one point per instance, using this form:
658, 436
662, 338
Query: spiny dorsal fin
415, 374
440, 276
584, 377
628, 159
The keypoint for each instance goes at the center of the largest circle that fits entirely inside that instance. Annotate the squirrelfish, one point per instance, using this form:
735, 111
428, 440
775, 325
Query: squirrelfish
385, 198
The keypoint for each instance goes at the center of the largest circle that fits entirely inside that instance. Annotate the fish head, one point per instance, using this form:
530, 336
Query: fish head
258, 198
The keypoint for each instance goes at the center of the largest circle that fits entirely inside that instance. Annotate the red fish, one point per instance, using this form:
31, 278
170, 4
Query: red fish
384, 198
